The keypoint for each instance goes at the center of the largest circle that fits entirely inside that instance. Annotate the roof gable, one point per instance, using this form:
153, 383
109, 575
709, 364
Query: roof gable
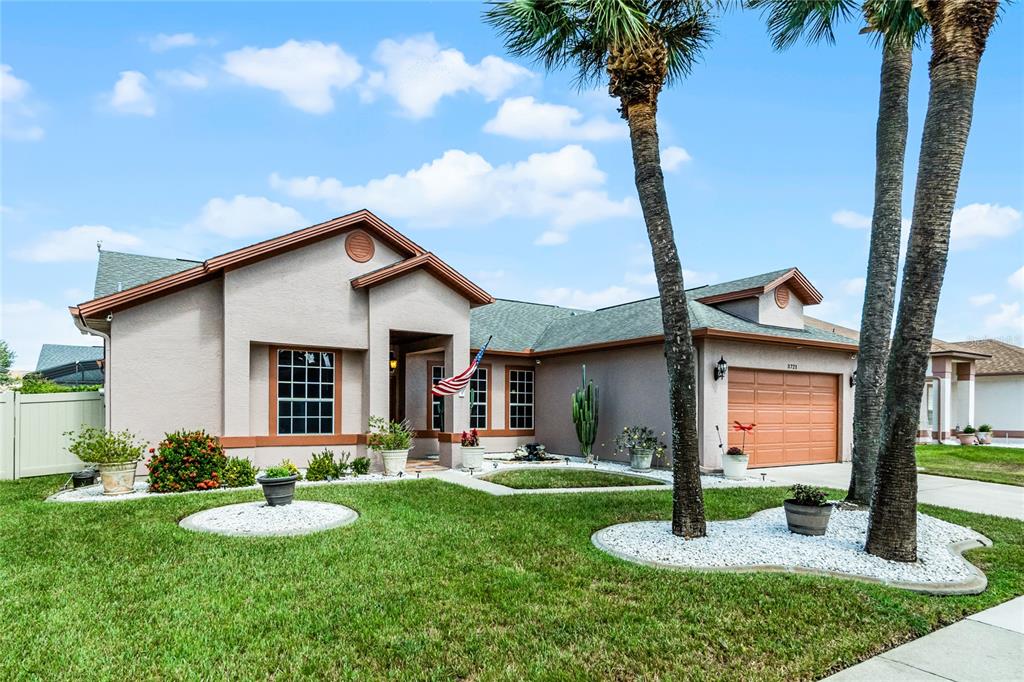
432, 264
758, 285
1003, 358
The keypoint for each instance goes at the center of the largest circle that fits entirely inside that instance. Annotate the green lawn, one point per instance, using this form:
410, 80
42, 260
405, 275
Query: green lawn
556, 477
979, 462
434, 581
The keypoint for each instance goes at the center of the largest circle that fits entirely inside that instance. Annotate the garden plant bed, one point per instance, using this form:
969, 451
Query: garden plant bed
990, 463
763, 542
565, 477
434, 581
257, 519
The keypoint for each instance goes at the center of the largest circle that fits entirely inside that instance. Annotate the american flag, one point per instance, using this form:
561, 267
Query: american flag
459, 381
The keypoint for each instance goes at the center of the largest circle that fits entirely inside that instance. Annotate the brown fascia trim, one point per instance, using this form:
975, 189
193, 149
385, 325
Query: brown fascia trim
436, 266
964, 354
802, 286
604, 345
250, 254
778, 340
998, 374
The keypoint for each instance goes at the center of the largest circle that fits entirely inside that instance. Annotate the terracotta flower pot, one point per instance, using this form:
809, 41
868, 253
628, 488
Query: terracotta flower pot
473, 456
394, 461
118, 478
278, 491
807, 519
967, 438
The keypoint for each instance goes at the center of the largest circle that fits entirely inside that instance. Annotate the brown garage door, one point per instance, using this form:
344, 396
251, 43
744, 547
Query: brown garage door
796, 415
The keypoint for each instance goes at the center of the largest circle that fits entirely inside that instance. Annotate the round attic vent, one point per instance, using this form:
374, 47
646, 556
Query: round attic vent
359, 246
782, 296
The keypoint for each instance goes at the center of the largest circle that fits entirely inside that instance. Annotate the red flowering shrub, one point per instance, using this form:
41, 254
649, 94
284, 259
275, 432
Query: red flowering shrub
186, 460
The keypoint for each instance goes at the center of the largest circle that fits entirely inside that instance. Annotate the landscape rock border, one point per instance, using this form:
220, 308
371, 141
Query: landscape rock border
258, 519
970, 580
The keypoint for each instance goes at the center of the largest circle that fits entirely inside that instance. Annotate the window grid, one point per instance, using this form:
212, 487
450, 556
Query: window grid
478, 399
305, 392
520, 398
436, 401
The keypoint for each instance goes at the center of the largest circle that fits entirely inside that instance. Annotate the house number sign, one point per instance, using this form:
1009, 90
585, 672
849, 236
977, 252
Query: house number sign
791, 366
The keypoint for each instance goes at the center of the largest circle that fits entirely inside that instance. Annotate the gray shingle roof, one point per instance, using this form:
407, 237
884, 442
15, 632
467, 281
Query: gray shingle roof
55, 355
119, 271
737, 284
515, 325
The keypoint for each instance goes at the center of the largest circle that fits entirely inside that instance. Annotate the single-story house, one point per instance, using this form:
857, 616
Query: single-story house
70, 365
289, 345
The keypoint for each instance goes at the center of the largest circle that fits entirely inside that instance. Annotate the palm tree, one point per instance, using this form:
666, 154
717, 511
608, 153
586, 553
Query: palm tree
960, 31
637, 47
897, 25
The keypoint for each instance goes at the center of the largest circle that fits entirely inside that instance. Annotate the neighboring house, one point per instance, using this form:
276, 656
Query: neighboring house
289, 345
966, 383
71, 365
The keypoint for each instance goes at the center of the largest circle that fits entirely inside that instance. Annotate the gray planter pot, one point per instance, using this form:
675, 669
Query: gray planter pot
805, 519
118, 478
984, 437
640, 459
278, 491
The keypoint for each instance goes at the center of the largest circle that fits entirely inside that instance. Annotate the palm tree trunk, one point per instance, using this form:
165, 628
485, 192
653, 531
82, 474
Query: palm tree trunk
959, 31
883, 267
687, 495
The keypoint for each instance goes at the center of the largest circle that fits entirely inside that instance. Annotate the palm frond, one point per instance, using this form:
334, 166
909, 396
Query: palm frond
899, 21
788, 20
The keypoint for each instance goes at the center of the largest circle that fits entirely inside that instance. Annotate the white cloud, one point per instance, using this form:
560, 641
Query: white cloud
162, 42
851, 220
179, 78
981, 300
1008, 320
672, 158
563, 188
551, 238
417, 73
691, 278
131, 94
28, 324
18, 113
975, 223
577, 298
76, 244
305, 73
1016, 280
524, 118
853, 286
245, 216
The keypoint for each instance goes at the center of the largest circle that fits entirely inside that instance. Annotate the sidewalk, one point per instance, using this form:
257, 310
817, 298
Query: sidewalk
958, 493
988, 647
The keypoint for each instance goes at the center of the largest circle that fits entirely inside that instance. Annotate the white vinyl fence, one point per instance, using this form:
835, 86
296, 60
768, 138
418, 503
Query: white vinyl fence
32, 427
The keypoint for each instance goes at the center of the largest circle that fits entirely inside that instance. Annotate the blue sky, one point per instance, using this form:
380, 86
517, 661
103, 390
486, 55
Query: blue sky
186, 130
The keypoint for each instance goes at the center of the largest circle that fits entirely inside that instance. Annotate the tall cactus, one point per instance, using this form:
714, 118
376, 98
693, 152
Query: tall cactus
584, 415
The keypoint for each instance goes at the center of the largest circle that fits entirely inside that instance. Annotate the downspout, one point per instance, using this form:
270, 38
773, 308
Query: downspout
84, 327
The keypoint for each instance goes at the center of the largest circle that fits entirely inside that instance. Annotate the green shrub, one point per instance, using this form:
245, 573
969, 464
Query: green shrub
279, 471
968, 429
37, 383
985, 428
361, 466
809, 495
290, 466
96, 446
322, 466
388, 435
342, 466
238, 473
187, 460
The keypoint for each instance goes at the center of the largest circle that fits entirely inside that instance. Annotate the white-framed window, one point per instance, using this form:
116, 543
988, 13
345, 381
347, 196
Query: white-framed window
478, 386
305, 392
436, 401
520, 398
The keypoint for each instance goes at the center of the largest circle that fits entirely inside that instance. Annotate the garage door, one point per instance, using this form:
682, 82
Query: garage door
796, 413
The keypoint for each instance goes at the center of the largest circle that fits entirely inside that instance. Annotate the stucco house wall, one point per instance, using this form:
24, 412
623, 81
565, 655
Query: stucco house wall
999, 401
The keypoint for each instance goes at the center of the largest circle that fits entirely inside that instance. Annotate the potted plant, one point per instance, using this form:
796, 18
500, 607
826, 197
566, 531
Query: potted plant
278, 484
808, 511
734, 463
985, 434
641, 444
115, 454
393, 440
967, 435
472, 451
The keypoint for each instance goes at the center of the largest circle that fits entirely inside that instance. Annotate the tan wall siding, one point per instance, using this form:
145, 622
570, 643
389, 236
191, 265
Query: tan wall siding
166, 364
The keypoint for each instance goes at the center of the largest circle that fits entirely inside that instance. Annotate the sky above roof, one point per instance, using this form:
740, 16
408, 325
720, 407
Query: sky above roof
186, 130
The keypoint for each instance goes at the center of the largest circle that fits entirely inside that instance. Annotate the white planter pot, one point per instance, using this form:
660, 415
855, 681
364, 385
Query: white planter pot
967, 438
640, 459
473, 456
734, 467
394, 461
984, 437
118, 479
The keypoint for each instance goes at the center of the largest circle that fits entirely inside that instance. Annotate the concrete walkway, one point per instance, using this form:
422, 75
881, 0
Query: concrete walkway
958, 493
987, 647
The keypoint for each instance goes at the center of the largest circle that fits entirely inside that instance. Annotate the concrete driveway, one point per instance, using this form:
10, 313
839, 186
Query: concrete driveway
959, 493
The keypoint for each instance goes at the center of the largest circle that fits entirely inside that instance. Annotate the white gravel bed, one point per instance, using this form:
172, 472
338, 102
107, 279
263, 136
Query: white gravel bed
763, 541
663, 476
258, 519
94, 493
